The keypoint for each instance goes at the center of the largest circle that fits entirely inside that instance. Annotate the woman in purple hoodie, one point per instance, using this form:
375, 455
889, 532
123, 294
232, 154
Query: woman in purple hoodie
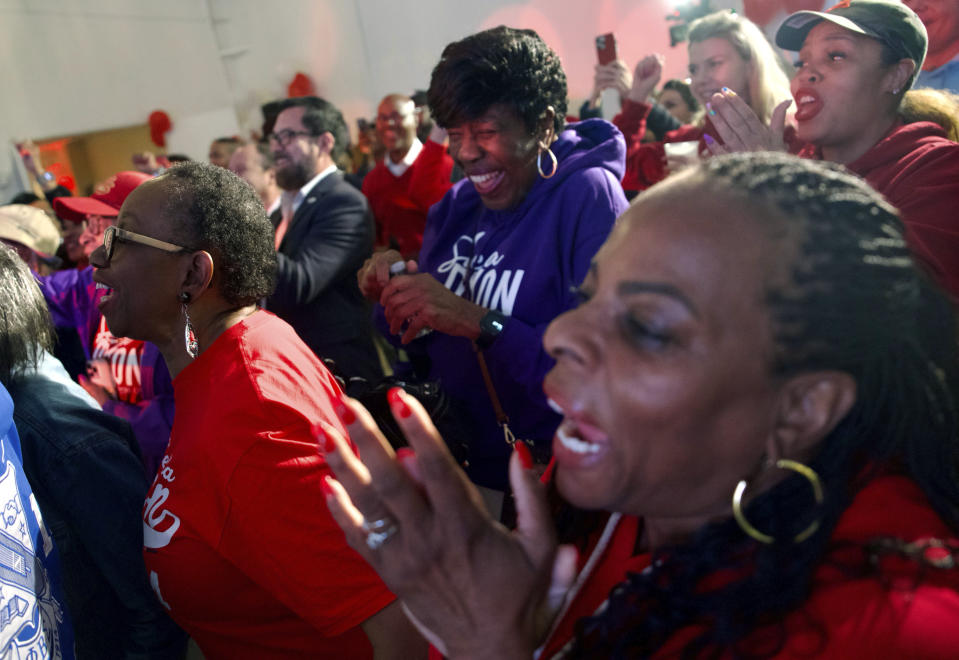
505, 248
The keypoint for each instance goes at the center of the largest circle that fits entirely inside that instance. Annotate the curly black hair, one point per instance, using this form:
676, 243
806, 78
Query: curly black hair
25, 327
855, 301
219, 212
501, 65
320, 116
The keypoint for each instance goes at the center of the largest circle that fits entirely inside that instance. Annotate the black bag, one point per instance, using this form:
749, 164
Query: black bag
449, 421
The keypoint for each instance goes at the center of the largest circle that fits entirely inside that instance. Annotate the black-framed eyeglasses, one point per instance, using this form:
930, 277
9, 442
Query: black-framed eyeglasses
112, 234
286, 136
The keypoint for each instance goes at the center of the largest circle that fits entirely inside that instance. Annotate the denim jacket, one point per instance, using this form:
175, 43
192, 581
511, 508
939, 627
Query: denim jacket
84, 467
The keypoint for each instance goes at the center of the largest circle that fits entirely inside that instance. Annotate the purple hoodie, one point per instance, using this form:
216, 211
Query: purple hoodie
72, 298
524, 262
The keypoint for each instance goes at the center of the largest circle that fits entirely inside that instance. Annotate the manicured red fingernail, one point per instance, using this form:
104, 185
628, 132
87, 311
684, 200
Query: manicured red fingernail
405, 454
323, 441
399, 405
326, 487
343, 411
525, 458
393, 395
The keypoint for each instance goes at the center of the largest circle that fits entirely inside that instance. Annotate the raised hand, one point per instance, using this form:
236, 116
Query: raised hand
615, 75
479, 590
646, 77
740, 128
146, 162
30, 153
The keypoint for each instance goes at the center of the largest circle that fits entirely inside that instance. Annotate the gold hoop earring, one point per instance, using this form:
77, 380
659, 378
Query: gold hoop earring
783, 464
539, 163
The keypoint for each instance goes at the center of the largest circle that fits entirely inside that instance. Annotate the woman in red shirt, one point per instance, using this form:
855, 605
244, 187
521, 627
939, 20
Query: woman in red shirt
237, 542
856, 63
758, 455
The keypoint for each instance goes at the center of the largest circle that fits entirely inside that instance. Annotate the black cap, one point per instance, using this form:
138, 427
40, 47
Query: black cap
888, 21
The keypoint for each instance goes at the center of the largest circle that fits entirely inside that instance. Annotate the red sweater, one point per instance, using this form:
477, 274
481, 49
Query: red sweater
400, 203
646, 161
917, 169
860, 617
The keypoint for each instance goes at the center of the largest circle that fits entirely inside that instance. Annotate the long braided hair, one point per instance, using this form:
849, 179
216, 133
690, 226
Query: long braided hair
855, 302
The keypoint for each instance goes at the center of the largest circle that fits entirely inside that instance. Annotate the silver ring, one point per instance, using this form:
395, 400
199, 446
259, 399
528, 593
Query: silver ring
379, 531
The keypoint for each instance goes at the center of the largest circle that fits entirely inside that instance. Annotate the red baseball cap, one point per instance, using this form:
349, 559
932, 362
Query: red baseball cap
106, 200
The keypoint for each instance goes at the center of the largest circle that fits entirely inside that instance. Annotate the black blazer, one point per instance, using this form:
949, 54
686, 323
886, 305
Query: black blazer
328, 239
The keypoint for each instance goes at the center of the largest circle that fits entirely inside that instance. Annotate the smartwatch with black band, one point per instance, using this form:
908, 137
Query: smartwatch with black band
491, 326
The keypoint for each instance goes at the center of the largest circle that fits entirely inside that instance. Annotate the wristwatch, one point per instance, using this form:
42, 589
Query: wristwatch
46, 177
491, 326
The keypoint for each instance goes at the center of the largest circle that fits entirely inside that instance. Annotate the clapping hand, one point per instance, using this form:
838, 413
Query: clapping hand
475, 588
740, 128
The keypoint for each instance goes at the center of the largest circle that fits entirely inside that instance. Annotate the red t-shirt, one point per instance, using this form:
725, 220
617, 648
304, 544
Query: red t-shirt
909, 613
123, 355
238, 542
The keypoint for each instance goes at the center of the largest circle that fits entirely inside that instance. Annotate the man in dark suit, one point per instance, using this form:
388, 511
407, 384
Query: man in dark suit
324, 232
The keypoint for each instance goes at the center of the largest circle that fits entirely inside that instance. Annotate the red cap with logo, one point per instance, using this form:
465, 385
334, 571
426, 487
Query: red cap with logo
106, 200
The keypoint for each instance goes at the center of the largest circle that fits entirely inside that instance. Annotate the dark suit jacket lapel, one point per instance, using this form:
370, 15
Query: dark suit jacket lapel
299, 226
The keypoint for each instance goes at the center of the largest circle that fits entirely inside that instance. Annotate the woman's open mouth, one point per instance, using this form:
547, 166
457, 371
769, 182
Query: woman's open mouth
487, 182
568, 436
107, 293
577, 437
808, 105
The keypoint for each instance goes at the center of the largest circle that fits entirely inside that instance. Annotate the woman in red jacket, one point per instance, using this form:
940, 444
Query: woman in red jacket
857, 62
726, 51
758, 456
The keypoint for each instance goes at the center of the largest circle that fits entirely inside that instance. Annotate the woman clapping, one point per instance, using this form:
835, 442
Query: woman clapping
758, 455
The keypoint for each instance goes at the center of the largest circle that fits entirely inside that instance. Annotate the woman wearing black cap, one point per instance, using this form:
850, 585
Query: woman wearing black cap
856, 63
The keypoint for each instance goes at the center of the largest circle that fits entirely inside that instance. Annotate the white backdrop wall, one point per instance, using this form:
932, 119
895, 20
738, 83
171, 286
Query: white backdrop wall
73, 66
359, 50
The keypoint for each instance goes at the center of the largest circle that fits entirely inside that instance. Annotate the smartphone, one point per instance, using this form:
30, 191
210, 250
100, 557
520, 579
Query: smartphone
606, 48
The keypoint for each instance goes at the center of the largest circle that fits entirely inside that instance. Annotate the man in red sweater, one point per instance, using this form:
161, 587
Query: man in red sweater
409, 180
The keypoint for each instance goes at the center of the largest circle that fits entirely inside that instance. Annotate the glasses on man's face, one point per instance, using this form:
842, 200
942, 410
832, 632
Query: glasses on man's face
286, 136
112, 234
